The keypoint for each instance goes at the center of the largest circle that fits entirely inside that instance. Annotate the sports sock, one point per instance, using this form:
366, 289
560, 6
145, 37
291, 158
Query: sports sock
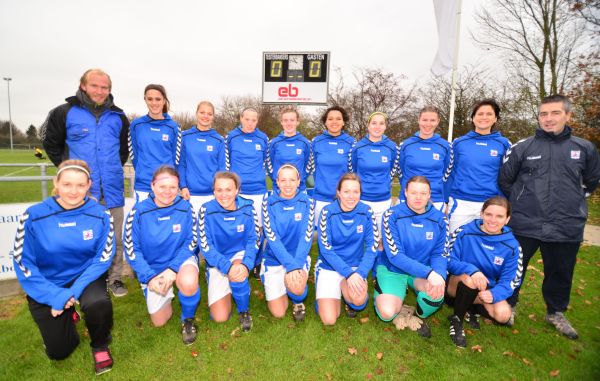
426, 306
241, 294
465, 296
297, 299
189, 304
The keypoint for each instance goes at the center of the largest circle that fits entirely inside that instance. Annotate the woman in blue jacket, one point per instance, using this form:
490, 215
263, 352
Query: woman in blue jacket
330, 152
160, 241
229, 237
63, 249
202, 155
348, 241
415, 234
288, 221
427, 154
485, 268
154, 140
477, 160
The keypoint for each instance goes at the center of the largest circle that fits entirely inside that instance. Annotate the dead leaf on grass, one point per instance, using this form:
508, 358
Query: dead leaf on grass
328, 376
554, 373
515, 331
508, 353
235, 332
194, 354
379, 355
476, 348
525, 361
379, 371
369, 376
364, 320
532, 317
587, 302
352, 351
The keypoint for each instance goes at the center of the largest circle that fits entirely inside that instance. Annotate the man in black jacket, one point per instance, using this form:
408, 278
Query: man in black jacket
547, 178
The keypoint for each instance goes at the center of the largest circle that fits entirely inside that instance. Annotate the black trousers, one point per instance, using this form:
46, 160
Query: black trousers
60, 334
559, 264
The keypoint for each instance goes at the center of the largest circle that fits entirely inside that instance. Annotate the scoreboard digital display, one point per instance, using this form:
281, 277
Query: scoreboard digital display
295, 77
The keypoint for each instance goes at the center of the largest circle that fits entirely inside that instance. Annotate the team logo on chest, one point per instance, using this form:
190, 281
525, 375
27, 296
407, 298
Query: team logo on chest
575, 154
298, 151
176, 228
429, 236
498, 261
297, 216
209, 148
384, 159
436, 156
258, 147
340, 151
88, 234
240, 228
359, 229
493, 152
165, 138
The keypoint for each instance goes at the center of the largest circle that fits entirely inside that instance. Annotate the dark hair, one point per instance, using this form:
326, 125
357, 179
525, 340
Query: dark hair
349, 176
418, 180
486, 102
499, 201
429, 108
162, 91
344, 113
559, 98
169, 170
227, 175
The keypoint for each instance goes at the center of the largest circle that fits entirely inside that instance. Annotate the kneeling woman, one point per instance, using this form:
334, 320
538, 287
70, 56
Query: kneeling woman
63, 249
485, 268
348, 241
160, 241
229, 239
288, 219
415, 234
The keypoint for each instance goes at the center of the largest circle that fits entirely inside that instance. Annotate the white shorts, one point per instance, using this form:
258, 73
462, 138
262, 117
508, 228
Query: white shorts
319, 205
218, 283
257, 200
328, 283
198, 201
379, 207
462, 212
156, 301
141, 196
273, 278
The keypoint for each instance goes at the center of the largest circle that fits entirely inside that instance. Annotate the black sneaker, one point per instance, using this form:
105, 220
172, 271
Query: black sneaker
473, 320
298, 312
246, 321
188, 331
350, 312
117, 288
424, 330
103, 361
457, 333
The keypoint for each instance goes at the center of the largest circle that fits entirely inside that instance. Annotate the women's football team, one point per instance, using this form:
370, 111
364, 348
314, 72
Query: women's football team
202, 196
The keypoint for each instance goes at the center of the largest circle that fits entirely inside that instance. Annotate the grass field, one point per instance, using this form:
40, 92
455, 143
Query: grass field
354, 349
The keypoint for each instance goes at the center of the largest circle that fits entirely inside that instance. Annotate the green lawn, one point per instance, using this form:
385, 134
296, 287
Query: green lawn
279, 349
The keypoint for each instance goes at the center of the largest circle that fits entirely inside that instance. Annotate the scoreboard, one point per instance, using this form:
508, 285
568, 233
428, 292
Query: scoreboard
295, 77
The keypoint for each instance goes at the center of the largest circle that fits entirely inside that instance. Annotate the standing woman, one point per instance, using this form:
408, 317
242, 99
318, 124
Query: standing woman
160, 241
330, 152
202, 155
289, 147
485, 268
373, 159
288, 217
477, 160
415, 236
229, 239
154, 140
63, 249
348, 240
427, 154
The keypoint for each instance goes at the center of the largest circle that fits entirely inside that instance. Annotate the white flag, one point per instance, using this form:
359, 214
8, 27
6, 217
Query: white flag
445, 14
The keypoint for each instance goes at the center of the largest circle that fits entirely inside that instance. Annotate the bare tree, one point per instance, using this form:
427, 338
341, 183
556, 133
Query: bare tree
589, 10
537, 40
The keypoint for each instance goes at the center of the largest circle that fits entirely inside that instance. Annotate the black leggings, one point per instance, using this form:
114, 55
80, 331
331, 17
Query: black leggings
60, 334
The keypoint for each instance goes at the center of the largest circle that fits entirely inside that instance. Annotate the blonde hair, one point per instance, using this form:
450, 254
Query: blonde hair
205, 103
71, 165
84, 78
228, 176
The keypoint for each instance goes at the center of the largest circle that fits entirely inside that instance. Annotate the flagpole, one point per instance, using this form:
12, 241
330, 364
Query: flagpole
454, 72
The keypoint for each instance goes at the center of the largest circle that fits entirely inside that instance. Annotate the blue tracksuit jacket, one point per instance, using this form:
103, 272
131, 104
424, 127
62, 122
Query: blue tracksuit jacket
288, 228
152, 143
432, 158
247, 155
223, 233
376, 165
159, 238
347, 239
59, 252
202, 155
477, 161
330, 162
414, 243
498, 257
293, 150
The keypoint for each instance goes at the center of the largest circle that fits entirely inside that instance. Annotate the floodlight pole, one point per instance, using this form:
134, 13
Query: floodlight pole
8, 79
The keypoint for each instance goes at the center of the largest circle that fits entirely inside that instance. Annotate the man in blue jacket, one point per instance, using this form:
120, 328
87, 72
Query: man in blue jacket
91, 128
547, 178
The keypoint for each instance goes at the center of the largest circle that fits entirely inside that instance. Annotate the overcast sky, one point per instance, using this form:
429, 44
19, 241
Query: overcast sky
202, 49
